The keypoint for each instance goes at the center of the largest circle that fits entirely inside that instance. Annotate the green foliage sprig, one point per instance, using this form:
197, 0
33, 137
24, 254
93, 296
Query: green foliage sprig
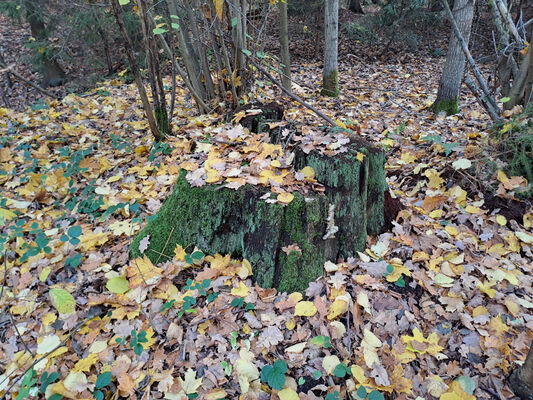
274, 375
136, 341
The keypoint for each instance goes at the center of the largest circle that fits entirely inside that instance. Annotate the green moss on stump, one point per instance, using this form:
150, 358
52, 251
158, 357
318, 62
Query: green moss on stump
450, 107
238, 222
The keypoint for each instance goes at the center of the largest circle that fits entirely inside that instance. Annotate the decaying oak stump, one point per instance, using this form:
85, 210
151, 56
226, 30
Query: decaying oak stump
222, 220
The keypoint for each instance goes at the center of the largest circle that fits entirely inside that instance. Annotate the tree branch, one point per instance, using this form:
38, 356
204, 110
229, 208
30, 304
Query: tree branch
292, 96
29, 83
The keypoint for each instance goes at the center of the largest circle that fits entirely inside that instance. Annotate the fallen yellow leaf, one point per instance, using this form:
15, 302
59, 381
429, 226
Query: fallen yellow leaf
285, 197
305, 309
241, 291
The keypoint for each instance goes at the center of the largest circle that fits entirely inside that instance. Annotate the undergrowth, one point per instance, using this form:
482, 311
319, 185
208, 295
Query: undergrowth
511, 142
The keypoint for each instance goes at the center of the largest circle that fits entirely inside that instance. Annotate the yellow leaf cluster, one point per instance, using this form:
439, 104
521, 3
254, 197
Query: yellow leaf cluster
141, 272
419, 344
339, 307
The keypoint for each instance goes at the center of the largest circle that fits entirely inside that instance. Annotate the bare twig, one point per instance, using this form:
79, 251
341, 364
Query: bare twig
506, 16
18, 333
29, 83
5, 276
348, 329
481, 99
184, 77
164, 247
148, 110
35, 362
291, 95
401, 106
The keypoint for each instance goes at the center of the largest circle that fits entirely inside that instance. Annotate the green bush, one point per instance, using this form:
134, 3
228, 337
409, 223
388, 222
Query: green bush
301, 7
359, 32
404, 20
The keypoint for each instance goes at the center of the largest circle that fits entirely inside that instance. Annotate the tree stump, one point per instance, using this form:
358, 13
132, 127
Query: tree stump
324, 226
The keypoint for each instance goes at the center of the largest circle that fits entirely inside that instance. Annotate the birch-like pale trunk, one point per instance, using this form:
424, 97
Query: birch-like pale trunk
330, 73
454, 67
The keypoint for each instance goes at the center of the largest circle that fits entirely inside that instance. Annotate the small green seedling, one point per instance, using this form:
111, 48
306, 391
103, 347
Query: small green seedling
333, 396
47, 379
274, 375
227, 367
362, 394
195, 256
136, 341
400, 282
27, 384
341, 370
238, 302
72, 235
103, 380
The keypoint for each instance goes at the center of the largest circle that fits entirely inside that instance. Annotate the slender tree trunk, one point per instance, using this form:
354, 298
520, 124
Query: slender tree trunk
330, 73
521, 90
197, 43
284, 42
452, 74
53, 74
521, 380
154, 70
117, 11
355, 6
187, 53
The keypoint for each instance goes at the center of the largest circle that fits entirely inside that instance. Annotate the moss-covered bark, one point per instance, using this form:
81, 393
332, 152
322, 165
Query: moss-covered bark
450, 107
330, 84
240, 223
163, 124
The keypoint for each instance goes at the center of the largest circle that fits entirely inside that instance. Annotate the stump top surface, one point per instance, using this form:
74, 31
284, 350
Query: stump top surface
235, 157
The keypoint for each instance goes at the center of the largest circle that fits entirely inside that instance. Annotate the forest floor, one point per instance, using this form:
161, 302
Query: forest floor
440, 305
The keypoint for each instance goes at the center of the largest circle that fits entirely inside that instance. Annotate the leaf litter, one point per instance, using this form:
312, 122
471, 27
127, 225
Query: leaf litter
438, 307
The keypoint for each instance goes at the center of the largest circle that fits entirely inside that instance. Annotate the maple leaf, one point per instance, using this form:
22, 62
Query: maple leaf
241, 291
179, 253
271, 336
190, 384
